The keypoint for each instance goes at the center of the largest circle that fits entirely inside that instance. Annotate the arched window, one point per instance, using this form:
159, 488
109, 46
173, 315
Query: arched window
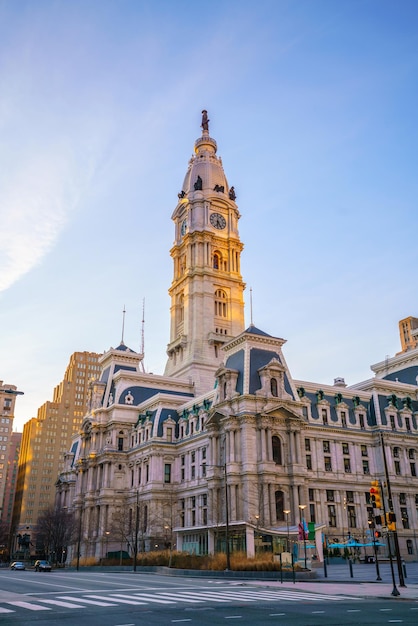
180, 307
221, 303
277, 450
273, 387
216, 261
279, 498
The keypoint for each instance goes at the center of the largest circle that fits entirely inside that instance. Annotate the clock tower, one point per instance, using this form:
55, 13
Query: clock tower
207, 304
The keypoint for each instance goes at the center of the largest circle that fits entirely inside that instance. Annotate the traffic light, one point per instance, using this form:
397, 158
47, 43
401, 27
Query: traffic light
375, 495
377, 534
391, 521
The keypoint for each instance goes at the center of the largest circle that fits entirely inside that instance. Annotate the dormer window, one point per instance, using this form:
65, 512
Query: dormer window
273, 387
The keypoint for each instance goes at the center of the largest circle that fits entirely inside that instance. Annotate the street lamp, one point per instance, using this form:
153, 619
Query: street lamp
80, 521
287, 513
302, 507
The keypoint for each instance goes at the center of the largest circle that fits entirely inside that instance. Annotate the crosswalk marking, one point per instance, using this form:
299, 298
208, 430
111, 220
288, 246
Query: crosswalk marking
66, 605
116, 599
153, 598
217, 597
184, 598
86, 601
109, 599
29, 605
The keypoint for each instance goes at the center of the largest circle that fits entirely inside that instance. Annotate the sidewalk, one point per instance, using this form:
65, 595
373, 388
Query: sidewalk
363, 583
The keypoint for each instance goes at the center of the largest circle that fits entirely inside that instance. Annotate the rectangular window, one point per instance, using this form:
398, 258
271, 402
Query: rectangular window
345, 448
308, 462
193, 472
392, 422
366, 468
364, 450
402, 498
307, 445
347, 466
312, 512
408, 423
167, 472
343, 419
327, 463
397, 468
404, 517
324, 416
351, 514
311, 495
330, 495
349, 496
332, 517
169, 434
413, 469
203, 470
325, 445
361, 420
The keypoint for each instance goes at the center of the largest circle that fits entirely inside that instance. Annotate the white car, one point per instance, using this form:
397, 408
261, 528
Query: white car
17, 565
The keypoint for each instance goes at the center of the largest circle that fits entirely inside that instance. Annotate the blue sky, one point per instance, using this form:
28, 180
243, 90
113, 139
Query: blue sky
313, 106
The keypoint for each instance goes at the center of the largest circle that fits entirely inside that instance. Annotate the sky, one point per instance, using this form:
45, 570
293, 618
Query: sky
313, 104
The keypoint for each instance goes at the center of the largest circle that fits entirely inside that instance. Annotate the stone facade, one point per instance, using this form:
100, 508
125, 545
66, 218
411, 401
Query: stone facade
227, 445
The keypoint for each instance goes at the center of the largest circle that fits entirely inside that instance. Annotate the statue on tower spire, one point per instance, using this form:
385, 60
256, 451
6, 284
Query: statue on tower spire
205, 120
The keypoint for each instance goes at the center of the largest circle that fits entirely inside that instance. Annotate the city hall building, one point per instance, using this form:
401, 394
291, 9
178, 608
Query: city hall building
226, 446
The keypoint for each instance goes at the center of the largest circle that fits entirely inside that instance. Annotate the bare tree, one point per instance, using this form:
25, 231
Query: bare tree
56, 530
4, 541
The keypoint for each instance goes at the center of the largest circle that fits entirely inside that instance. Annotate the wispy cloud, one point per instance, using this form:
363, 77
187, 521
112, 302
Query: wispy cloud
36, 201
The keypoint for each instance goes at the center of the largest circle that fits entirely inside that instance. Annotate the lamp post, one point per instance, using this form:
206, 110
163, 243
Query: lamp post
80, 519
136, 530
302, 507
228, 557
287, 512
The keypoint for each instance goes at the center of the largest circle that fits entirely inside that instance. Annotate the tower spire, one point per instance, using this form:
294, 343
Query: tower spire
207, 304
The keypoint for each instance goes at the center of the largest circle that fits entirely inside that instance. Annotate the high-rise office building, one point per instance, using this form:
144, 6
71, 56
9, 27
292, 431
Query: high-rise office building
46, 438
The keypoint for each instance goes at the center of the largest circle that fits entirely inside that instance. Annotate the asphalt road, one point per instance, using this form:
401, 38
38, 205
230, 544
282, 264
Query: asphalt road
135, 599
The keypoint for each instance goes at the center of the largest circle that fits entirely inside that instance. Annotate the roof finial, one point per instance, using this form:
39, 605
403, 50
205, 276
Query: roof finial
205, 121
123, 323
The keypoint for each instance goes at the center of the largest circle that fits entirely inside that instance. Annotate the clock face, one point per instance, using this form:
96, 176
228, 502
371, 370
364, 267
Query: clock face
217, 220
183, 227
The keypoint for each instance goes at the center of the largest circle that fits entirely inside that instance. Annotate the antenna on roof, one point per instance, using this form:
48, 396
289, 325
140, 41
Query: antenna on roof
123, 323
251, 306
143, 334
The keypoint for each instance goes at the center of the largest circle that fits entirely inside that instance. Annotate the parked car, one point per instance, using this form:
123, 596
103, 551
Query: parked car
17, 565
42, 566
